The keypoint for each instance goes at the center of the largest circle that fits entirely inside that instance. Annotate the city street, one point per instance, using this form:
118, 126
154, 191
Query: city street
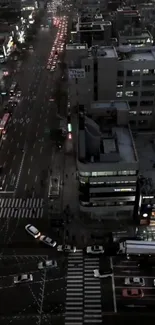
27, 150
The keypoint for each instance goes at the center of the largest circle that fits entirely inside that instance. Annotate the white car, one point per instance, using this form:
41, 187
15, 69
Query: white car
47, 264
22, 278
103, 273
33, 231
95, 249
136, 281
66, 248
48, 241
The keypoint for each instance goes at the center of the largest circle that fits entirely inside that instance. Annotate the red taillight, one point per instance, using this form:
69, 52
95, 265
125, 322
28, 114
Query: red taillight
69, 136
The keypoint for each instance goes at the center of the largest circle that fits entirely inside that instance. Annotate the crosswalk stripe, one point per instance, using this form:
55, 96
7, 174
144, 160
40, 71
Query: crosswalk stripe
83, 293
21, 208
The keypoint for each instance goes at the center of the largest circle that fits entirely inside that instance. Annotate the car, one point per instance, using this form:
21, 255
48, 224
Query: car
103, 273
95, 249
33, 231
47, 264
132, 293
48, 241
66, 248
22, 278
136, 281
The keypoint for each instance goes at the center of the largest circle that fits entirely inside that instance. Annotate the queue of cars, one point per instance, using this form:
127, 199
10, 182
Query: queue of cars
59, 43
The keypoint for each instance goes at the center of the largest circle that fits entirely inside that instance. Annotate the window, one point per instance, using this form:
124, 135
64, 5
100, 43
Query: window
133, 104
136, 72
120, 73
145, 71
119, 84
127, 172
132, 83
119, 94
129, 93
129, 73
84, 174
146, 113
132, 112
146, 103
148, 83
147, 93
87, 68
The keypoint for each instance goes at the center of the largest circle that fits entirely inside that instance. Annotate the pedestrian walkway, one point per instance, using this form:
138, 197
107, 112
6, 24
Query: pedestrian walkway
83, 295
21, 208
92, 292
74, 295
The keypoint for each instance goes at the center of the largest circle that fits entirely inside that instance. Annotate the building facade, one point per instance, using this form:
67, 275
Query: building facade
107, 162
108, 73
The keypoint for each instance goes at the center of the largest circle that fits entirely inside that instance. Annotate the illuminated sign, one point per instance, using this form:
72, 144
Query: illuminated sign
76, 73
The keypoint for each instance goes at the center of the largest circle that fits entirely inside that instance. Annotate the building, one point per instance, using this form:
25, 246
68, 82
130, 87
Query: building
136, 37
107, 162
95, 32
127, 16
10, 10
108, 73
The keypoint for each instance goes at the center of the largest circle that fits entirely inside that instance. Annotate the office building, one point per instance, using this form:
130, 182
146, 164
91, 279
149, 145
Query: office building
108, 73
107, 161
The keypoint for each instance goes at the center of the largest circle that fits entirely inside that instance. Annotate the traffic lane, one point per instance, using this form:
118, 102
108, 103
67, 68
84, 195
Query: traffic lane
20, 130
20, 298
14, 238
13, 264
147, 300
107, 295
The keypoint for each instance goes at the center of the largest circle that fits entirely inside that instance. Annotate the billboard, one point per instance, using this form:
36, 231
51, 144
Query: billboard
76, 73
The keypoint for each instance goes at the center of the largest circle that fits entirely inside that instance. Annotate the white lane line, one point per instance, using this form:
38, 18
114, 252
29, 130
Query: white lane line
34, 146
36, 134
29, 171
10, 171
36, 178
25, 187
113, 287
18, 145
8, 152
31, 158
41, 149
20, 170
14, 157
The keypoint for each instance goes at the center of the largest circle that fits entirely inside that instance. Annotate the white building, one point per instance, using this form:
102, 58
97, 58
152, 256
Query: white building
108, 73
107, 161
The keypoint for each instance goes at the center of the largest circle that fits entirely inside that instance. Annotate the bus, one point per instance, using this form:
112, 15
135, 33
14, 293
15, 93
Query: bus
13, 88
3, 125
54, 187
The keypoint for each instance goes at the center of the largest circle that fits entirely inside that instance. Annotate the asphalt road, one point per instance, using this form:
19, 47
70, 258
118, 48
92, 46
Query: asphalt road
27, 150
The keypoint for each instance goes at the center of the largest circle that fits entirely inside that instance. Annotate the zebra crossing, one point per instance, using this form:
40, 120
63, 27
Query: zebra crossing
21, 208
83, 293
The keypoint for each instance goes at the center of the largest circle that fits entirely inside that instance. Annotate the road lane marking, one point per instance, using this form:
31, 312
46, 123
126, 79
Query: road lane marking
41, 149
31, 158
4, 164
10, 171
20, 170
8, 152
34, 146
21, 134
113, 287
36, 178
36, 134
14, 157
29, 171
18, 145
25, 187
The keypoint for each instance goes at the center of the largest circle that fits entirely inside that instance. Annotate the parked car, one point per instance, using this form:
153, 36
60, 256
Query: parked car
132, 293
22, 278
103, 273
95, 249
136, 281
48, 241
33, 231
66, 248
47, 264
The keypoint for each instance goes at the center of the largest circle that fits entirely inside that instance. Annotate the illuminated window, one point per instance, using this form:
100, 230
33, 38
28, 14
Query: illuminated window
133, 112
129, 93
146, 71
119, 94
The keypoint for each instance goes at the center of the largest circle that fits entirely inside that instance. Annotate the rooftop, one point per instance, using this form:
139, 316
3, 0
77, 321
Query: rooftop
137, 54
105, 51
135, 33
102, 140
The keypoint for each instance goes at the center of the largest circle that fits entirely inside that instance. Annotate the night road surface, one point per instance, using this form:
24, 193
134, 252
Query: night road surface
27, 150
